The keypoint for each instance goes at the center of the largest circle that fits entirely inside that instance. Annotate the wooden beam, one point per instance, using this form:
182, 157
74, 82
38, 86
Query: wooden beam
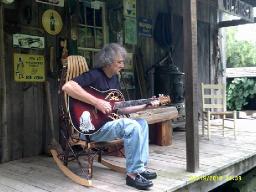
3, 118
191, 83
234, 23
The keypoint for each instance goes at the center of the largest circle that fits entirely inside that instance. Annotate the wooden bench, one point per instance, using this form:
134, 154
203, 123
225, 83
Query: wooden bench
159, 120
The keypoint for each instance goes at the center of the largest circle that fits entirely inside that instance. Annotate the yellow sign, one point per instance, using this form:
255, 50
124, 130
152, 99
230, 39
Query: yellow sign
52, 22
29, 68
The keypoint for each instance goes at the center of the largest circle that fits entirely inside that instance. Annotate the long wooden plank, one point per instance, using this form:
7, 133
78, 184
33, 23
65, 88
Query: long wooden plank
7, 188
19, 185
153, 116
233, 23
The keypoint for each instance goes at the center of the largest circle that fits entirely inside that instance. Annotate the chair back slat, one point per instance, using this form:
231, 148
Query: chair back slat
83, 68
213, 97
212, 86
213, 106
76, 66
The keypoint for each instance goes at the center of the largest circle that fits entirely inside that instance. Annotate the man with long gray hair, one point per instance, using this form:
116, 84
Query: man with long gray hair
109, 61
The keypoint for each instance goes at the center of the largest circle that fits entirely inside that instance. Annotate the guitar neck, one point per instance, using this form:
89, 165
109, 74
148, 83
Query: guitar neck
130, 103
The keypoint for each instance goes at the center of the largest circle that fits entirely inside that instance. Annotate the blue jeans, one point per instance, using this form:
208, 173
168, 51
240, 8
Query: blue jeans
134, 132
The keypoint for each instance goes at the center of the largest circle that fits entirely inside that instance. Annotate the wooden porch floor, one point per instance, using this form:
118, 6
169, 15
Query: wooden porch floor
218, 156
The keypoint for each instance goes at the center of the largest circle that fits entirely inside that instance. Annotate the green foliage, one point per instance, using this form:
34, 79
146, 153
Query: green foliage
239, 53
238, 91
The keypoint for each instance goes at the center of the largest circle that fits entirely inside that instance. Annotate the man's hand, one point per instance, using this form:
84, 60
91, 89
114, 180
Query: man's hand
153, 104
103, 106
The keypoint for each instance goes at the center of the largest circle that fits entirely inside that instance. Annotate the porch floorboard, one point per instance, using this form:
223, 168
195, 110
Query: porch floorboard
219, 155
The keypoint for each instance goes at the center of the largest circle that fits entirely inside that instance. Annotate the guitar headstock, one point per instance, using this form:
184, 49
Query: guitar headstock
164, 99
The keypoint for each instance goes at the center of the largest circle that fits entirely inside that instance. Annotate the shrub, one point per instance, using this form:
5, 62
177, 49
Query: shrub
239, 91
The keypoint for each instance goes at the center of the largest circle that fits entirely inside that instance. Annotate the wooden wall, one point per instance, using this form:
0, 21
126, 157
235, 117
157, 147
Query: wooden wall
207, 19
25, 127
26, 131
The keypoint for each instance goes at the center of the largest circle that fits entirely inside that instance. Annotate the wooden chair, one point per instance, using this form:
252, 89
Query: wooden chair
214, 106
71, 147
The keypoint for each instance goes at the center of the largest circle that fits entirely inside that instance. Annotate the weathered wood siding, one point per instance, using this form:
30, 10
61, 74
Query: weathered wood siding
27, 127
207, 18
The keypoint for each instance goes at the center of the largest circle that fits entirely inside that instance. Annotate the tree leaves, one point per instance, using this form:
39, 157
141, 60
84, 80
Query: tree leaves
239, 53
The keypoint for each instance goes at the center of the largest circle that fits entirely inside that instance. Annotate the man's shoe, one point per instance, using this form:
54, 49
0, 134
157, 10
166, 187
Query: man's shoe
149, 175
139, 182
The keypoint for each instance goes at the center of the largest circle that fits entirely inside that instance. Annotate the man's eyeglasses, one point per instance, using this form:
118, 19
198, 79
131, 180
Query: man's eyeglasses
120, 61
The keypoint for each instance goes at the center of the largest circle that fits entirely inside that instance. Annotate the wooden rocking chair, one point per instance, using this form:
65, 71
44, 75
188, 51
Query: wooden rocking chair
72, 148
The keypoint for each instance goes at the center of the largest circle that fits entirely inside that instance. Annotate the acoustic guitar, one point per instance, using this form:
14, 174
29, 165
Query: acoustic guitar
86, 119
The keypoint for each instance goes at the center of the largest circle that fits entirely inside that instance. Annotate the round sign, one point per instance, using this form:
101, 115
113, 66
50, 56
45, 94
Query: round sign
52, 22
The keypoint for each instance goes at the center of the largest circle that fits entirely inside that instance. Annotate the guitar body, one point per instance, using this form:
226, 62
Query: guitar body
91, 117
86, 119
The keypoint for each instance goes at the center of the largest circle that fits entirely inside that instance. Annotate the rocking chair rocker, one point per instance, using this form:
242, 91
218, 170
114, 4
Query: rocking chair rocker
71, 147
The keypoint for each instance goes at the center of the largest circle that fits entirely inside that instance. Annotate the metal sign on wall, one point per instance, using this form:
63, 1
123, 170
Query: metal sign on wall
28, 41
237, 8
29, 68
145, 27
52, 22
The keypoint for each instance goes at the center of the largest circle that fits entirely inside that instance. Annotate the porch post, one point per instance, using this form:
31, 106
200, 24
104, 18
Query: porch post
3, 116
191, 83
